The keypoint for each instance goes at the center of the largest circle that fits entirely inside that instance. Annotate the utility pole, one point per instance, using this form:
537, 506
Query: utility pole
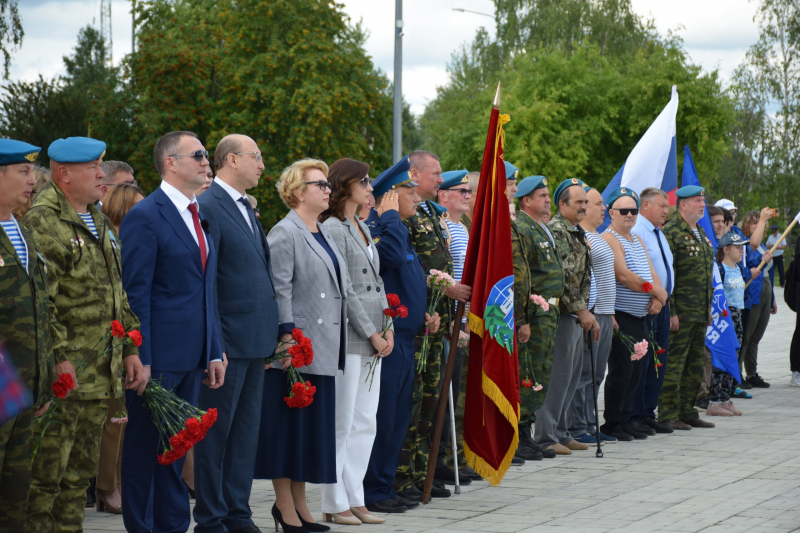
105, 31
397, 145
133, 27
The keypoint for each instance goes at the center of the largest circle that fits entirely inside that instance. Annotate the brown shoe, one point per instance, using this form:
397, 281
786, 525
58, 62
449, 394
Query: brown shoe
560, 449
717, 409
676, 424
575, 445
700, 423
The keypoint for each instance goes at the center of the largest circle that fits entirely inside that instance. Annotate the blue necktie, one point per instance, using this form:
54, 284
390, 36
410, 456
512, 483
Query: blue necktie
664, 258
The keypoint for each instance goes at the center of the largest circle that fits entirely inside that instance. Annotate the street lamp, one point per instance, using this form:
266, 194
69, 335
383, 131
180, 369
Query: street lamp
462, 10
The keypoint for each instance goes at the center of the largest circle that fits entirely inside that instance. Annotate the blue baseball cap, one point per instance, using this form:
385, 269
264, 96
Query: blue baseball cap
731, 238
13, 152
453, 178
618, 193
530, 184
396, 176
76, 150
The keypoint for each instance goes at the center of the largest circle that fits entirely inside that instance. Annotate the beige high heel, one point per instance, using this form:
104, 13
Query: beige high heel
339, 519
367, 518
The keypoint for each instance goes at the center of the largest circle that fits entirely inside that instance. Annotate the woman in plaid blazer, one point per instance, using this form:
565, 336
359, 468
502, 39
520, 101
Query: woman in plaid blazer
357, 392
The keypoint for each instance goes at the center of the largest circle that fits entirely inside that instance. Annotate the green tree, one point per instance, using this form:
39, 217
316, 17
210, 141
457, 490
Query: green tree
11, 32
292, 74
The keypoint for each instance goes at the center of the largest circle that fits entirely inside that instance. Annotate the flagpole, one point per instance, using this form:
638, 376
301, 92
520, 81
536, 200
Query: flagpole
775, 247
437, 432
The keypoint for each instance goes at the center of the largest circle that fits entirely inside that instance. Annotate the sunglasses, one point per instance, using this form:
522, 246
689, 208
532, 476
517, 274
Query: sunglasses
198, 155
323, 184
364, 181
464, 192
626, 211
257, 154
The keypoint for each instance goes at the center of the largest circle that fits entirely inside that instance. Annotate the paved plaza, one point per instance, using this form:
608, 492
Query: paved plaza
743, 475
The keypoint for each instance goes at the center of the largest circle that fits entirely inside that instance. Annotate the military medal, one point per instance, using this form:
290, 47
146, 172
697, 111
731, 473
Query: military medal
80, 242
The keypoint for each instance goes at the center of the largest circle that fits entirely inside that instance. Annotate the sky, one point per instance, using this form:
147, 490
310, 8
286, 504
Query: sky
717, 34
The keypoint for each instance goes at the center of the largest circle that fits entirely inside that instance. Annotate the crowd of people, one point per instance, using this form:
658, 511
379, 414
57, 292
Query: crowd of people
214, 295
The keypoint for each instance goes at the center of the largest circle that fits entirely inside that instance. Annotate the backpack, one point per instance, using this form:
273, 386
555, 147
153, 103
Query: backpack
791, 286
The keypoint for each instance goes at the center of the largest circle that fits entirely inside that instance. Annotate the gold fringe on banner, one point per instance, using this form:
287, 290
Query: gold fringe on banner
475, 324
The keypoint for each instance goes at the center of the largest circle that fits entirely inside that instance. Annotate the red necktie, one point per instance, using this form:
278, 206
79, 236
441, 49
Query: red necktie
201, 239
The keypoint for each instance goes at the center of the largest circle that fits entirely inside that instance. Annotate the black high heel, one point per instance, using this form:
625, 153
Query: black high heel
276, 515
312, 526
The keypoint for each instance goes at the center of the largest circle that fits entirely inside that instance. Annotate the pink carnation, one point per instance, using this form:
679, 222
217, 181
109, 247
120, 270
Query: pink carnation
541, 302
537, 388
639, 350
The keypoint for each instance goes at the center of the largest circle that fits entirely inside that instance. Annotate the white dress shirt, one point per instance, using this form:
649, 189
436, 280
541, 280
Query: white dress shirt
182, 204
236, 196
646, 231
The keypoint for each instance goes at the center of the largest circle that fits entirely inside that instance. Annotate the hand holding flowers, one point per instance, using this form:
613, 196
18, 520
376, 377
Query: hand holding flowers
439, 282
301, 353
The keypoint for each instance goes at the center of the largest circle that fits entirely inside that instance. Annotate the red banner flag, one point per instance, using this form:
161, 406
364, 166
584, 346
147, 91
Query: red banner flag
491, 413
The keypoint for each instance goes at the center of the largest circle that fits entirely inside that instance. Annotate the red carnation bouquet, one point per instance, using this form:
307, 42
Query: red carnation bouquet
301, 392
394, 310
180, 424
65, 382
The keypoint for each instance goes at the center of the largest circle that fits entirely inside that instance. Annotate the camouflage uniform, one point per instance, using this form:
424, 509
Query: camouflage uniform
24, 329
85, 291
537, 270
428, 240
691, 303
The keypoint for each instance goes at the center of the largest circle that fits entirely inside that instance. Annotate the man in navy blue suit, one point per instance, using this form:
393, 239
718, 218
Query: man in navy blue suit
168, 271
247, 316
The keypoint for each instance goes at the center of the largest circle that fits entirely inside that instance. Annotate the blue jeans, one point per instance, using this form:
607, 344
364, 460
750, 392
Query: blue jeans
646, 400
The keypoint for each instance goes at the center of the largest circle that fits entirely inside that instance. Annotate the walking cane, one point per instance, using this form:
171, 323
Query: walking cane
453, 439
599, 453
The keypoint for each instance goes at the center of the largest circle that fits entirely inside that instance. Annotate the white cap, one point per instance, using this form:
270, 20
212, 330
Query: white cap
725, 204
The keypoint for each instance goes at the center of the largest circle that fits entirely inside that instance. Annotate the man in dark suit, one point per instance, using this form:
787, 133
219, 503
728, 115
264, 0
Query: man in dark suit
247, 315
169, 266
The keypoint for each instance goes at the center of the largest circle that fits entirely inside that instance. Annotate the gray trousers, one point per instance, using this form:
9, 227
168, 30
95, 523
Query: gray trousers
551, 419
581, 410
756, 326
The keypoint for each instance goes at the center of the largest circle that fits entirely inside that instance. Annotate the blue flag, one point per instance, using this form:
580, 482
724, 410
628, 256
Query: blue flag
721, 338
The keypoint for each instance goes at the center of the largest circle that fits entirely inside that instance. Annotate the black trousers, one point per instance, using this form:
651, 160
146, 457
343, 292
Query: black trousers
794, 351
624, 374
778, 261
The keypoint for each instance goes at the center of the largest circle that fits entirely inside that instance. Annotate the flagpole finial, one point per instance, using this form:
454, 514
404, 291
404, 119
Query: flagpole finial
496, 101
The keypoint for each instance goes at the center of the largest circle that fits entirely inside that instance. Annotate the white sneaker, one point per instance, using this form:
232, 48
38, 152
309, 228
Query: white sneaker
795, 379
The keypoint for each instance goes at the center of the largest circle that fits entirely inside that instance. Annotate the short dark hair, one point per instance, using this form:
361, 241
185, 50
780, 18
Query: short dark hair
714, 211
416, 157
229, 145
564, 196
110, 168
167, 145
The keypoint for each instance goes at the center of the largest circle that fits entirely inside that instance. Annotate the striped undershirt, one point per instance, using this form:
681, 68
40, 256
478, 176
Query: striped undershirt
628, 301
15, 235
87, 218
603, 270
458, 250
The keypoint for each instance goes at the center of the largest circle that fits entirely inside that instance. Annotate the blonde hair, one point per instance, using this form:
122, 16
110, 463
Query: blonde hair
119, 200
293, 180
749, 218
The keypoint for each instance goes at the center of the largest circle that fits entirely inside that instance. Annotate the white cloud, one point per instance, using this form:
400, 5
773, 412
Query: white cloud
717, 33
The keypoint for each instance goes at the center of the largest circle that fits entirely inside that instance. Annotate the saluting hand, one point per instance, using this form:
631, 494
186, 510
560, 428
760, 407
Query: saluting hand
388, 202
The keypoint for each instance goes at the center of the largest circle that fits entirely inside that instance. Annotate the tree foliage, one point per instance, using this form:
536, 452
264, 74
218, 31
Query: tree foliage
292, 74
582, 81
11, 32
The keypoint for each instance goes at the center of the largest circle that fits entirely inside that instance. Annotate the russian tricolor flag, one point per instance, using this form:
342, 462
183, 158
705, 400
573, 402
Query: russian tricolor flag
653, 162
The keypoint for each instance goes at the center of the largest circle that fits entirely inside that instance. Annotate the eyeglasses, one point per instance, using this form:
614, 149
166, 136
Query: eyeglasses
465, 193
624, 211
365, 181
258, 154
323, 184
198, 155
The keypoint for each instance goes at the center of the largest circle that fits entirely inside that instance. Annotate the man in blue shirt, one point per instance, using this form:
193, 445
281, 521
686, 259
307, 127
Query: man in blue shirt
652, 214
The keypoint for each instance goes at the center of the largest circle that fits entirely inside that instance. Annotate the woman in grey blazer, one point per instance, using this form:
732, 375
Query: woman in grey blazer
356, 395
310, 276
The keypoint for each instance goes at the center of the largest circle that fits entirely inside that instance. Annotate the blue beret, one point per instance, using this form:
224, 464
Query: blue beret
570, 182
76, 150
13, 152
619, 192
530, 184
453, 178
396, 176
689, 191
511, 171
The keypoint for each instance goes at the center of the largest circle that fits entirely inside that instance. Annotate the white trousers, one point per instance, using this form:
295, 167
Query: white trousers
356, 409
